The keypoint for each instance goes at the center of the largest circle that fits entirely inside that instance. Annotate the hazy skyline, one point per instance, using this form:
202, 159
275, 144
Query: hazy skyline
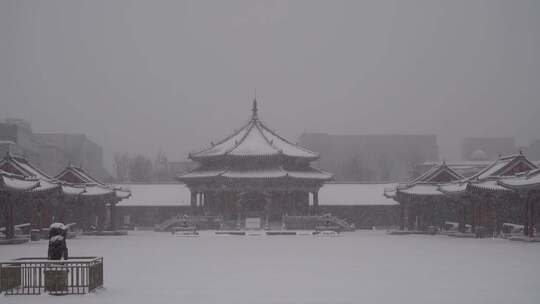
140, 76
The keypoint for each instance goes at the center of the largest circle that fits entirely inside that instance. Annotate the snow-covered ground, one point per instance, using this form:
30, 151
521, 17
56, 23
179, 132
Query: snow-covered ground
359, 267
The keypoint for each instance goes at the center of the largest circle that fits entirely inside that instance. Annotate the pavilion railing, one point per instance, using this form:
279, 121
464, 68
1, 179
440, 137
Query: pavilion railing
33, 276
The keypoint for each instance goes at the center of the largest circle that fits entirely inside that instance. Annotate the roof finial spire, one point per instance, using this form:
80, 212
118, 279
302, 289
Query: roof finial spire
254, 110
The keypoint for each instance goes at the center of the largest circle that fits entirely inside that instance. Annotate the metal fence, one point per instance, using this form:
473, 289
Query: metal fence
32, 276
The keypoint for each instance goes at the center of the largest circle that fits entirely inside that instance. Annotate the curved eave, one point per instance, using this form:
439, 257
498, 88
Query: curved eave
520, 186
254, 140
45, 186
72, 191
284, 178
420, 191
390, 193
96, 191
122, 193
11, 184
453, 189
225, 157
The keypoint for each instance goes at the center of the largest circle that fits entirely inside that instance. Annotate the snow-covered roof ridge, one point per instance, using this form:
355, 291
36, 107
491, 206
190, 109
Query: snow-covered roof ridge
76, 185
439, 173
20, 165
17, 183
254, 139
527, 181
78, 177
453, 188
507, 165
265, 173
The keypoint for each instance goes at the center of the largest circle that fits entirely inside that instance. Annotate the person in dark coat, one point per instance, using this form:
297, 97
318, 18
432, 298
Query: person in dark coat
57, 242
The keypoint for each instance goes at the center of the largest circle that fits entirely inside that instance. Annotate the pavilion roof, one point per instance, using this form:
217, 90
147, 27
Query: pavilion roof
525, 181
427, 189
21, 166
453, 188
16, 183
254, 139
507, 173
428, 183
276, 172
439, 173
92, 186
508, 165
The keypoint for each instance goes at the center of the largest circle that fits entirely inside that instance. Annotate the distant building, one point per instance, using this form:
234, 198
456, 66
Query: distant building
371, 157
16, 137
486, 148
533, 150
51, 151
77, 149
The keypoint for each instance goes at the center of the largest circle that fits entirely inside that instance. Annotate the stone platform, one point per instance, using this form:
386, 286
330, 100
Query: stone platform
106, 233
17, 240
525, 239
408, 232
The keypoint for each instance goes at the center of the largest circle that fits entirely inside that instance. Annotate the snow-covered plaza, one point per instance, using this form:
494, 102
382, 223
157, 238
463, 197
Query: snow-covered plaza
357, 267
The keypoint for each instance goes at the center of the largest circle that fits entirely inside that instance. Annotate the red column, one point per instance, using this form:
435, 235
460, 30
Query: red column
113, 216
531, 217
316, 202
10, 225
402, 216
474, 217
461, 217
526, 217
193, 202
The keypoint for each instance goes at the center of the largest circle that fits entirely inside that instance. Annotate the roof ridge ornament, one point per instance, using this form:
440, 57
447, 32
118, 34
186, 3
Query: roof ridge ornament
255, 115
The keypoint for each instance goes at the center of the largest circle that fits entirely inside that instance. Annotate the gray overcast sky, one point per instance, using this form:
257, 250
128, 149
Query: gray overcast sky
138, 76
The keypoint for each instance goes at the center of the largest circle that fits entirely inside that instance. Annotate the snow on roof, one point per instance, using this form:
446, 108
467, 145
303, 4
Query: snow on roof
254, 143
11, 182
453, 188
421, 189
503, 166
284, 145
202, 173
96, 190
255, 139
70, 190
529, 180
122, 193
83, 184
79, 177
330, 194
311, 174
270, 172
438, 173
45, 185
74, 175
259, 173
